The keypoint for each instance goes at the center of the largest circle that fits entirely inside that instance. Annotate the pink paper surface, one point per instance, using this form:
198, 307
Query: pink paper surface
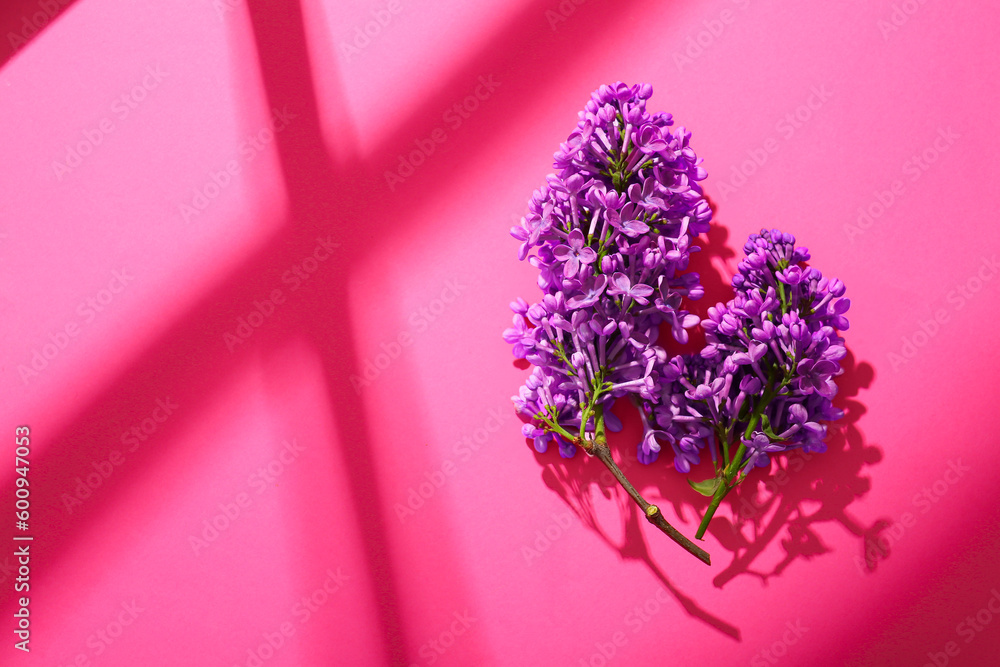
255, 265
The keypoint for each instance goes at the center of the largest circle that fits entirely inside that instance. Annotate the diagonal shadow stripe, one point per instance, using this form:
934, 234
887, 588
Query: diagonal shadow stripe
21, 21
310, 180
188, 354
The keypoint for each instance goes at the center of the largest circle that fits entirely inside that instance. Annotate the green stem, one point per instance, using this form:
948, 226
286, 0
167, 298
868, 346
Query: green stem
725, 486
732, 469
732, 466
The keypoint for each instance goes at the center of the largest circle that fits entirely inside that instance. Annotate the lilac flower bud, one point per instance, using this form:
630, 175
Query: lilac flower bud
729, 325
790, 276
542, 442
731, 363
530, 431
625, 326
634, 115
554, 303
797, 414
560, 322
750, 384
835, 352
710, 351
535, 313
756, 260
651, 259
646, 456
703, 391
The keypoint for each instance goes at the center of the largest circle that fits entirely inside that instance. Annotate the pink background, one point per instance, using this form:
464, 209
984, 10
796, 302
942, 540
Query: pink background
275, 481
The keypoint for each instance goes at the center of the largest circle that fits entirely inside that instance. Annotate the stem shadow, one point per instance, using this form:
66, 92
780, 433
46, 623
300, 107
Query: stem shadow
802, 491
786, 502
576, 480
784, 505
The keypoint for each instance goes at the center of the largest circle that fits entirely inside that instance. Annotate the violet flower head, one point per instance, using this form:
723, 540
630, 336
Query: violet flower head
611, 233
764, 381
611, 236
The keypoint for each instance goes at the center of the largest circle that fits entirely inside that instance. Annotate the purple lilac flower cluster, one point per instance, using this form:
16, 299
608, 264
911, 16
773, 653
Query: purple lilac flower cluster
766, 371
611, 235
763, 383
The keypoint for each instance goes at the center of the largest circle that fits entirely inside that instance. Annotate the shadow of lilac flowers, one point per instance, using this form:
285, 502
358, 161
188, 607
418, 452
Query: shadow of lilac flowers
580, 480
802, 490
576, 480
779, 508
